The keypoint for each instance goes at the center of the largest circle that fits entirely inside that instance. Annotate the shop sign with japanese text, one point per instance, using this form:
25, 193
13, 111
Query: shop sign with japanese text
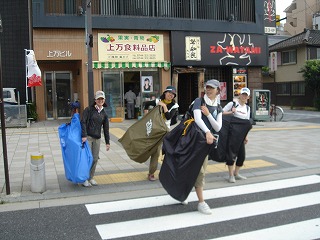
214, 49
123, 47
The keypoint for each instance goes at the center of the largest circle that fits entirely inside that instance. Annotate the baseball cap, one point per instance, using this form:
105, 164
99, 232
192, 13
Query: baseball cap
213, 83
171, 89
245, 90
99, 94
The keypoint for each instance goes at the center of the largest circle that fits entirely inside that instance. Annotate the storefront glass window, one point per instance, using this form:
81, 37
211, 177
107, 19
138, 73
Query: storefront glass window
116, 83
113, 88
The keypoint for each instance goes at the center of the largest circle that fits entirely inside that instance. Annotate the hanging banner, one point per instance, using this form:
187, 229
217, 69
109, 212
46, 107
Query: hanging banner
269, 16
273, 61
33, 71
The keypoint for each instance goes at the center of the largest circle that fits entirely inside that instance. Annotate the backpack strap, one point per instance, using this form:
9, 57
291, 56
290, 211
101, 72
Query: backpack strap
235, 105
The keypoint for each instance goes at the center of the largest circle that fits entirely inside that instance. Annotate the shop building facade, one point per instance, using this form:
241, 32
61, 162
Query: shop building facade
169, 47
62, 58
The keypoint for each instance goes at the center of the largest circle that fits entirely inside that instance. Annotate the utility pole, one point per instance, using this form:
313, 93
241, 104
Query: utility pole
89, 42
3, 126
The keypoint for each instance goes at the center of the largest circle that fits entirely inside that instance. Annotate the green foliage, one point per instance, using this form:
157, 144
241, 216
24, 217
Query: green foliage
265, 69
32, 111
311, 74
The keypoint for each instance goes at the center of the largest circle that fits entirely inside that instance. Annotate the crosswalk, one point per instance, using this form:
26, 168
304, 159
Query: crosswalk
280, 209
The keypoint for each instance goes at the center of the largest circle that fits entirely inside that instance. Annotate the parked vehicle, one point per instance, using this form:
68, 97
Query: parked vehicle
10, 96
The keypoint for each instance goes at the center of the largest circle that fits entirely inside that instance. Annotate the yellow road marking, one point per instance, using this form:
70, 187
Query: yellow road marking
142, 176
285, 128
117, 132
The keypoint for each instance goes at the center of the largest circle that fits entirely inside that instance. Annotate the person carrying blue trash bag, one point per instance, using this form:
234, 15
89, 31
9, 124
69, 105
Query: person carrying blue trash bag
77, 157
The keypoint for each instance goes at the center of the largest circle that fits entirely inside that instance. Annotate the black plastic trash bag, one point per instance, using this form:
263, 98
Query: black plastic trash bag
232, 134
143, 138
184, 157
77, 157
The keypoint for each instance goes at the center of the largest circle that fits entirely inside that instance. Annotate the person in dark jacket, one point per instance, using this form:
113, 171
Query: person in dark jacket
170, 107
95, 118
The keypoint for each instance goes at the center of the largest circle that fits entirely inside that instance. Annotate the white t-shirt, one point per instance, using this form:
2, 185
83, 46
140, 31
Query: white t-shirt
242, 111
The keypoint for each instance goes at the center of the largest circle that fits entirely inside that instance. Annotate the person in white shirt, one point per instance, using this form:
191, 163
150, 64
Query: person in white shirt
239, 109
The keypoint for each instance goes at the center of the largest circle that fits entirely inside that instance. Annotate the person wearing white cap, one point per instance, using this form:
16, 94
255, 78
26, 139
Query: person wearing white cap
208, 116
95, 118
239, 109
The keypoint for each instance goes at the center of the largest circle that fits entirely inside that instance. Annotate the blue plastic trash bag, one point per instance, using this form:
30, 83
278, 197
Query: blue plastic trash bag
77, 157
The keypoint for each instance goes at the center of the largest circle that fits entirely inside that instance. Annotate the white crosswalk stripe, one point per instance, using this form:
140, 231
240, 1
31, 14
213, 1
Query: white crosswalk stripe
157, 201
149, 225
310, 229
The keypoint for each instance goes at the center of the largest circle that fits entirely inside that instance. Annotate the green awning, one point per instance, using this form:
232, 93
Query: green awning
108, 65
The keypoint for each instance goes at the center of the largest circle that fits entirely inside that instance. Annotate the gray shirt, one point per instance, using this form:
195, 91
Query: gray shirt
130, 96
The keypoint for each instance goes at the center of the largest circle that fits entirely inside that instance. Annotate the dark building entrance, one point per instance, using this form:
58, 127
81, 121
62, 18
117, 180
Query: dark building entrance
187, 90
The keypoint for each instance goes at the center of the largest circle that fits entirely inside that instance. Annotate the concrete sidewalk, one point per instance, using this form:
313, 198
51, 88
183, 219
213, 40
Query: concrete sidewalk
281, 148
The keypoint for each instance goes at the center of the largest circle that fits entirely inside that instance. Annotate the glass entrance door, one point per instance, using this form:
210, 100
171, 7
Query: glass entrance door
113, 88
58, 94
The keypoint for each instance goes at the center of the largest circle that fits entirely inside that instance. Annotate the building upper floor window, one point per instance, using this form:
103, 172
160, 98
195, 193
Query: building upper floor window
218, 10
318, 53
289, 57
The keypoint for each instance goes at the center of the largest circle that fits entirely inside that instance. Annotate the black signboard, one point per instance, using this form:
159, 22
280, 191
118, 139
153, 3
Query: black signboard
218, 49
269, 16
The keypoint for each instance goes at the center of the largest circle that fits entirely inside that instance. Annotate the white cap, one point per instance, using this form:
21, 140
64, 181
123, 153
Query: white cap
245, 90
99, 94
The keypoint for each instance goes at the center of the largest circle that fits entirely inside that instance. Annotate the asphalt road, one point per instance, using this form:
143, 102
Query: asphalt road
301, 115
264, 209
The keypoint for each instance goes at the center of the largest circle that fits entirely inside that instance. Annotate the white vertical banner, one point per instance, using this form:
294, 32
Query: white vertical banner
273, 61
193, 48
33, 71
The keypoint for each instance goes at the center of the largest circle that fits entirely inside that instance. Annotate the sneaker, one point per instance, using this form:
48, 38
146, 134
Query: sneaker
204, 208
240, 177
151, 177
93, 182
232, 179
86, 184
185, 202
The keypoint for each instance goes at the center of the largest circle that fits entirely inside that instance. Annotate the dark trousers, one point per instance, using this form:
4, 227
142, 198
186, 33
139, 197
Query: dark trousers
240, 157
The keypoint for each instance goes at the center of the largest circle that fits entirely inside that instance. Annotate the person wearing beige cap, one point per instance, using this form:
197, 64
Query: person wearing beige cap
95, 118
208, 116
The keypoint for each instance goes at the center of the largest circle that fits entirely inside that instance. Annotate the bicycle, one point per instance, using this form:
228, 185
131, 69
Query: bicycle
276, 113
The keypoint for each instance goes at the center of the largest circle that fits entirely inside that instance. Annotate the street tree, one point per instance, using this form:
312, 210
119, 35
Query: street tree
311, 74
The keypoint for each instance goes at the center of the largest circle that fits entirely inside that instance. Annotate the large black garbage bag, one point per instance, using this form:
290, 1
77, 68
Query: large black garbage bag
184, 156
143, 138
232, 134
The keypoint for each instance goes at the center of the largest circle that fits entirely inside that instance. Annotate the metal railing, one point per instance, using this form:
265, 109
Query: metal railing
15, 116
218, 10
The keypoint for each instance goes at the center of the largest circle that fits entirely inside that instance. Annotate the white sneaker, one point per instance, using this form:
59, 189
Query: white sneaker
240, 177
86, 184
93, 182
185, 202
204, 208
232, 179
